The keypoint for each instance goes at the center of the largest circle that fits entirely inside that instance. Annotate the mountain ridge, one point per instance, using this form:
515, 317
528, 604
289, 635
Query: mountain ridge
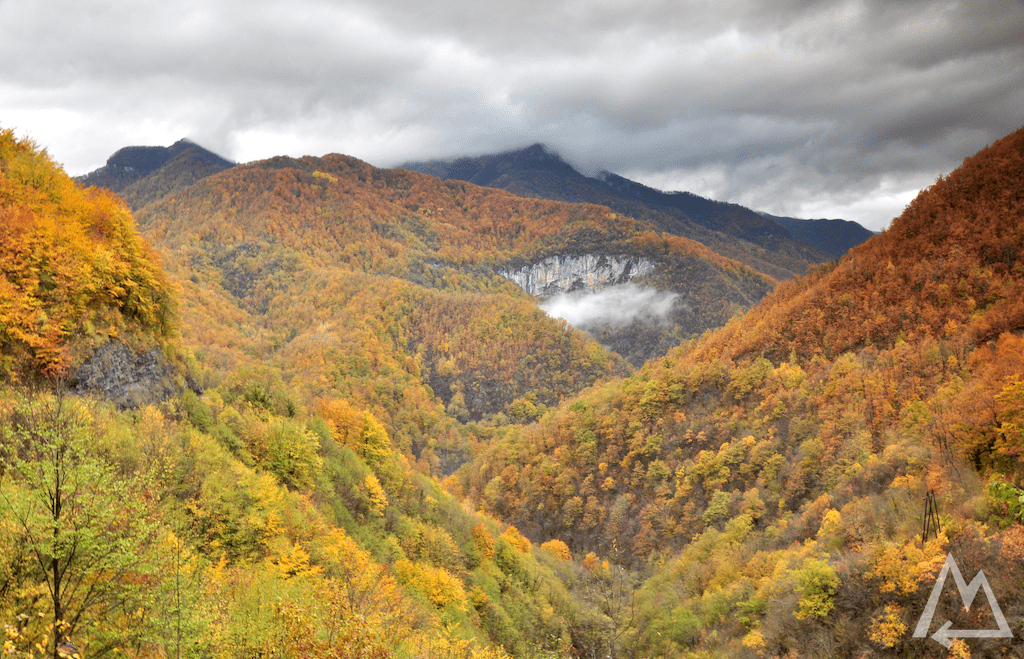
145, 175
728, 229
835, 237
295, 263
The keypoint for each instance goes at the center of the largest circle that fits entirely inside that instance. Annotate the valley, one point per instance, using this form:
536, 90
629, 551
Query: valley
353, 421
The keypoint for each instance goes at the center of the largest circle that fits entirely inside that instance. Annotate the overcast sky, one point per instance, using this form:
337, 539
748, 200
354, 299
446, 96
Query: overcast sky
795, 107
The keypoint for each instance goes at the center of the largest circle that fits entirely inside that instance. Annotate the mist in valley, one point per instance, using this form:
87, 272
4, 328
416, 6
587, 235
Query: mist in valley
615, 306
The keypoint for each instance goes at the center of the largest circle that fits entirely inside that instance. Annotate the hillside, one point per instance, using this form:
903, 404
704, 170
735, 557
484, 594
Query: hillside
766, 483
73, 272
272, 239
362, 334
696, 285
143, 174
728, 229
254, 520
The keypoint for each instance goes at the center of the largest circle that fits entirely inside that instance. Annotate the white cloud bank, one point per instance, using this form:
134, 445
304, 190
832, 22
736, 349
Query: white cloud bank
615, 306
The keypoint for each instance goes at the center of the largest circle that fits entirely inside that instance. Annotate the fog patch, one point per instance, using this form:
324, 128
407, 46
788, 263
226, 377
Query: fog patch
615, 306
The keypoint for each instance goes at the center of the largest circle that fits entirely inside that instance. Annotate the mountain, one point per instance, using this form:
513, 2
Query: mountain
767, 483
707, 289
142, 174
359, 333
396, 453
341, 272
728, 229
833, 237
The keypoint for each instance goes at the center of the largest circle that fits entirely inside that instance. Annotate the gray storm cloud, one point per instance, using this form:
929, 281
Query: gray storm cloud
821, 108
615, 306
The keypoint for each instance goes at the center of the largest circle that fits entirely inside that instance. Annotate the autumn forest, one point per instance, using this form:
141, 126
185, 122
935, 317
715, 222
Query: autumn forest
299, 408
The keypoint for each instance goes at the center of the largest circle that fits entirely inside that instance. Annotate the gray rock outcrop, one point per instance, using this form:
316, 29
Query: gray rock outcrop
564, 274
127, 378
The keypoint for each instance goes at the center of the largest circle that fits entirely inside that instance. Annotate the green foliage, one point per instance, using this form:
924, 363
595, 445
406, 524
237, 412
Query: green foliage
679, 629
1007, 500
198, 412
86, 539
292, 454
816, 583
719, 507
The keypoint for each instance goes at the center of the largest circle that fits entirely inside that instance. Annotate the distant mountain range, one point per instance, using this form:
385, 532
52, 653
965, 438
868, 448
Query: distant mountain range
780, 247
834, 237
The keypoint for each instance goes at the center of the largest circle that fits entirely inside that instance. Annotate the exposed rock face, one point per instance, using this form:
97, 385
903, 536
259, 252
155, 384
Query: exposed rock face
563, 274
127, 378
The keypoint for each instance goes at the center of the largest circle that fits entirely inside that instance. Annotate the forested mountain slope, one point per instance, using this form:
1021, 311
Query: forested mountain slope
73, 272
729, 229
701, 299
256, 520
757, 492
767, 482
339, 273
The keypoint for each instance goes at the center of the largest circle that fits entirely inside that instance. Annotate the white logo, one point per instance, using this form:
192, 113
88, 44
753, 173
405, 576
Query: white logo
967, 593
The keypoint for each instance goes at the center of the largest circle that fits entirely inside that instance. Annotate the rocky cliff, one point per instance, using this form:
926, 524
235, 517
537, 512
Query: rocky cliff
129, 379
564, 274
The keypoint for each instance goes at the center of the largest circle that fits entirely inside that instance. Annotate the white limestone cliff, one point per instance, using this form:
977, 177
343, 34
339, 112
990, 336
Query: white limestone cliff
562, 274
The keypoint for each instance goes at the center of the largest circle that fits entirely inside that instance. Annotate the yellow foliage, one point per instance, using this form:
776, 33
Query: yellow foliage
888, 628
904, 569
816, 582
344, 420
831, 524
445, 644
958, 649
325, 175
436, 584
374, 443
831, 533
378, 499
755, 641
293, 561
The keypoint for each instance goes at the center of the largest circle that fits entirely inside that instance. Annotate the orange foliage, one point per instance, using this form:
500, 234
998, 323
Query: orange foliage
559, 548
949, 267
516, 539
71, 263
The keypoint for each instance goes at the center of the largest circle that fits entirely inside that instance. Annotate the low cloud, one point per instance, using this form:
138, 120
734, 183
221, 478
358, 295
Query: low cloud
615, 306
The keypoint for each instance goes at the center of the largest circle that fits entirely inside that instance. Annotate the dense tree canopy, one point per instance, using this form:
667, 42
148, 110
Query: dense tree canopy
398, 455
72, 266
